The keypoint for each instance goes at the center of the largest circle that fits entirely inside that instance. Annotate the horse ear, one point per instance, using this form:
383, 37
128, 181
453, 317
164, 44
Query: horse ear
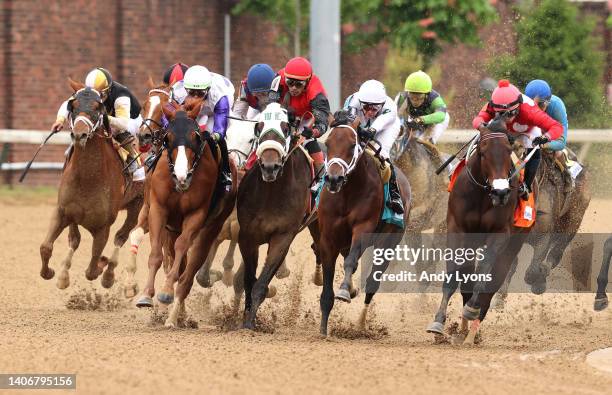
151, 83
75, 85
169, 110
193, 108
356, 123
258, 128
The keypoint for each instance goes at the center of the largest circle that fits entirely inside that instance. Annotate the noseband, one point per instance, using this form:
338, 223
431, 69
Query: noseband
347, 168
160, 127
487, 186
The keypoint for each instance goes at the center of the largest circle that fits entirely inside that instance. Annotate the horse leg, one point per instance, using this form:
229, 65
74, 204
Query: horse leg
601, 299
250, 255
201, 249
203, 275
500, 298
317, 277
190, 229
157, 218
538, 270
278, 246
358, 246
329, 254
108, 278
136, 236
58, 224
74, 239
100, 237
228, 264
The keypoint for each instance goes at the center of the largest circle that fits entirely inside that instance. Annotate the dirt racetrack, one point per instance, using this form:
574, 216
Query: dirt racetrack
538, 345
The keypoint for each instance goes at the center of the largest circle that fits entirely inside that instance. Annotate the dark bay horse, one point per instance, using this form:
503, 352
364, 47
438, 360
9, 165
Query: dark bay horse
92, 190
559, 216
482, 202
273, 200
350, 207
181, 198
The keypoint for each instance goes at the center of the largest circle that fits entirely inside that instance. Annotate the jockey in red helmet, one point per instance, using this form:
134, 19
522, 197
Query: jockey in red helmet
299, 90
523, 120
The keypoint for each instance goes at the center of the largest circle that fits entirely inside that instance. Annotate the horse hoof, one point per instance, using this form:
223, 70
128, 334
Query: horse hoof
108, 279
471, 313
92, 274
130, 291
436, 327
601, 303
203, 278
248, 325
354, 292
165, 298
283, 272
228, 278
144, 301
63, 280
343, 295
498, 304
271, 292
47, 274
538, 288
170, 324
317, 279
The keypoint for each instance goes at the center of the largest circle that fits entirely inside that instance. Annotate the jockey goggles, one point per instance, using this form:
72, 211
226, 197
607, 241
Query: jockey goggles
371, 106
296, 83
508, 113
543, 103
197, 92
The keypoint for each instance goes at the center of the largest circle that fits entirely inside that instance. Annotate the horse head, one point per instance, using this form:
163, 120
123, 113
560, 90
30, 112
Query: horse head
343, 150
153, 117
494, 152
273, 141
240, 139
184, 144
86, 113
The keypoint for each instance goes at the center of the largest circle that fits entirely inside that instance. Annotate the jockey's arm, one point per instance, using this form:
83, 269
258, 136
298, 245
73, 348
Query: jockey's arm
439, 112
221, 114
320, 110
482, 118
554, 130
557, 112
62, 115
387, 117
121, 118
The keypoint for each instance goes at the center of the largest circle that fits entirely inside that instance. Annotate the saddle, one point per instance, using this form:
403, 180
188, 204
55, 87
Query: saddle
382, 165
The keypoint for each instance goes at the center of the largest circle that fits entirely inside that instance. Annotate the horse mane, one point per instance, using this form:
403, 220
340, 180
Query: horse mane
342, 118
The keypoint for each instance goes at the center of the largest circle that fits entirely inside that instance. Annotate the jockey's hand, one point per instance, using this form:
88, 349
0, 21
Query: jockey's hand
540, 140
367, 134
57, 126
307, 132
216, 136
413, 124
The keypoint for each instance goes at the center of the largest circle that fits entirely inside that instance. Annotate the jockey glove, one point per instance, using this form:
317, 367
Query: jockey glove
216, 136
367, 133
540, 140
307, 132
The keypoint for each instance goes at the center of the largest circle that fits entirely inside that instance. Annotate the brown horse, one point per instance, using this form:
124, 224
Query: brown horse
481, 208
273, 200
181, 197
350, 208
92, 190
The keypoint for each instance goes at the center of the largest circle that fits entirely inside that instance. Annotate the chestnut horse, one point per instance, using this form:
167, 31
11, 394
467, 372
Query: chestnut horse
273, 200
92, 190
350, 207
482, 203
181, 196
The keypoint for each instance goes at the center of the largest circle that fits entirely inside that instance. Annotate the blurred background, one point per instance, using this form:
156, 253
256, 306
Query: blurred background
461, 43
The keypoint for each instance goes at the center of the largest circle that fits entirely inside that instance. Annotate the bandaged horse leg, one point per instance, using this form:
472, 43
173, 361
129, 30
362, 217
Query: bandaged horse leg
74, 239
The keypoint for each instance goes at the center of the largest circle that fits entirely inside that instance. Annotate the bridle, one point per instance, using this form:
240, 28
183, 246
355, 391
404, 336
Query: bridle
198, 152
155, 133
347, 168
487, 186
99, 116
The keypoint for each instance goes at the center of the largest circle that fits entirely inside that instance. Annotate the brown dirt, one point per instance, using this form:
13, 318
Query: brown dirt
538, 345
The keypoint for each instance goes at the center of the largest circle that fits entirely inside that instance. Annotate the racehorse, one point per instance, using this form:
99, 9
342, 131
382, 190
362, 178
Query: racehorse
273, 200
482, 201
183, 186
350, 207
92, 190
559, 216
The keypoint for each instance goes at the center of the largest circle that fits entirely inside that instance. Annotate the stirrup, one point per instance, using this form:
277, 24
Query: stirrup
395, 206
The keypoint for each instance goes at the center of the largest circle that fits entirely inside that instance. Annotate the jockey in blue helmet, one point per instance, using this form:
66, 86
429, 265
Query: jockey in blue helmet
254, 90
540, 92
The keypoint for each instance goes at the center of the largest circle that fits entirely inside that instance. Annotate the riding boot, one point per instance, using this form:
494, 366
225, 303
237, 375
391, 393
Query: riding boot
225, 176
125, 139
395, 198
531, 169
319, 172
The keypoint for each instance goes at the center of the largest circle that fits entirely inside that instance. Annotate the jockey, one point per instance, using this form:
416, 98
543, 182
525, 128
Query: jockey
378, 115
424, 105
173, 77
218, 93
522, 118
254, 91
298, 90
540, 92
123, 112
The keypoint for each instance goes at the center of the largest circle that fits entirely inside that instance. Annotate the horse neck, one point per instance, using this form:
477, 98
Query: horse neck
91, 160
357, 180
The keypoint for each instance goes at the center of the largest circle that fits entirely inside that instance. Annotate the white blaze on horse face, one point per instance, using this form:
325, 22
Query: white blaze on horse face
180, 166
500, 184
154, 102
